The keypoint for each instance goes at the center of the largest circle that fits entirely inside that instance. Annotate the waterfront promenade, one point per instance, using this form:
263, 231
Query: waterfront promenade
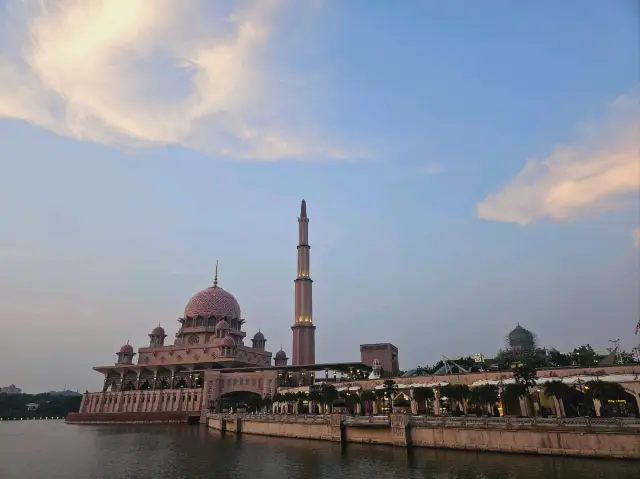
591, 437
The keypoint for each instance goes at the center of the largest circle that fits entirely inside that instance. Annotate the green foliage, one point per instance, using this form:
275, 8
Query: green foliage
14, 406
558, 389
525, 373
585, 356
604, 390
515, 391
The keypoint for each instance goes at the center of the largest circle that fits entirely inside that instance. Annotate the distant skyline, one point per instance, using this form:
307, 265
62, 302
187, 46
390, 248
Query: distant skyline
466, 167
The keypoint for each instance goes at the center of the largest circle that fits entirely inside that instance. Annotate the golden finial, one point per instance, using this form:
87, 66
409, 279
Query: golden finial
215, 278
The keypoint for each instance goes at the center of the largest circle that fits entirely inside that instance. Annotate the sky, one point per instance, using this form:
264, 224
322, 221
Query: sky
467, 166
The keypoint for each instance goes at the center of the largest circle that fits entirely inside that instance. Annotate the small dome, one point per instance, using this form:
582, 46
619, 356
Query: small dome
258, 336
158, 331
213, 301
228, 341
126, 349
222, 324
281, 355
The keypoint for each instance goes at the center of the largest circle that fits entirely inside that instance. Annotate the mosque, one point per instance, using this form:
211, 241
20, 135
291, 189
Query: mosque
209, 357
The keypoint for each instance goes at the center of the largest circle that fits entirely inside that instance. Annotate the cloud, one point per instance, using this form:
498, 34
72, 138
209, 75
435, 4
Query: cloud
592, 174
636, 237
139, 73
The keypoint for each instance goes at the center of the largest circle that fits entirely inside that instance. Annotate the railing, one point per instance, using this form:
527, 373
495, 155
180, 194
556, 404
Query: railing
361, 420
516, 422
301, 418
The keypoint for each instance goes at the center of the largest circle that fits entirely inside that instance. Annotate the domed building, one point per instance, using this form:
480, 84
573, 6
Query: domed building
521, 340
210, 339
207, 359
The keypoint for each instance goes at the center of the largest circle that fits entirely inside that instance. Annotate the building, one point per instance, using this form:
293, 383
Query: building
209, 359
385, 353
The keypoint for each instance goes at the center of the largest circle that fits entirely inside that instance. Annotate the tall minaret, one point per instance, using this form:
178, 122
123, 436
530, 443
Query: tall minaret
304, 337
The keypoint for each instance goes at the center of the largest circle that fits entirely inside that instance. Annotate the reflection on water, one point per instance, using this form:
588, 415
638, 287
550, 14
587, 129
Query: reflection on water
52, 449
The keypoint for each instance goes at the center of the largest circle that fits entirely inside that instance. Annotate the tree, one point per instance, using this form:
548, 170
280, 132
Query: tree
515, 391
390, 389
559, 390
558, 359
525, 374
604, 390
329, 394
367, 397
423, 396
484, 396
585, 356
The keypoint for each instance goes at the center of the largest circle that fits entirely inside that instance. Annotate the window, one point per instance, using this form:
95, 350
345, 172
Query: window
193, 339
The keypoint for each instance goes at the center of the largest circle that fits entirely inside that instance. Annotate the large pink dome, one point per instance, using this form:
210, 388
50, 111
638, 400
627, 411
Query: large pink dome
213, 301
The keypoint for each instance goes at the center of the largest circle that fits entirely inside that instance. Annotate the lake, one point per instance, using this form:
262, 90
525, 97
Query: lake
53, 449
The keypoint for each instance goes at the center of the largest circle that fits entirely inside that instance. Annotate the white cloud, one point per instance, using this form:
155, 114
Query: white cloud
140, 73
636, 237
592, 174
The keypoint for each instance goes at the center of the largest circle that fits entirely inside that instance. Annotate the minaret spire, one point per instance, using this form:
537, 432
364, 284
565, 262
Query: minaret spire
303, 329
215, 278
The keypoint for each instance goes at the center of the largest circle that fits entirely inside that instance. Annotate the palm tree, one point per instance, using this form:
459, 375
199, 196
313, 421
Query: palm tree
515, 391
446, 391
352, 400
558, 390
488, 395
300, 398
604, 391
423, 396
460, 393
367, 398
380, 395
390, 389
525, 374
267, 402
329, 395
315, 396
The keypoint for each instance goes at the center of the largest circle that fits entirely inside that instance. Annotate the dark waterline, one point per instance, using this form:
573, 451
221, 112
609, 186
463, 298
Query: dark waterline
53, 449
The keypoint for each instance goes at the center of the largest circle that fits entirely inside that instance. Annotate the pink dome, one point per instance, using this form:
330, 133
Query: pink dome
281, 355
126, 349
158, 331
222, 324
228, 341
213, 301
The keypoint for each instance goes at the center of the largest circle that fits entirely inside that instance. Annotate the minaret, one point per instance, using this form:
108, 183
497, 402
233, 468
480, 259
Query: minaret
304, 342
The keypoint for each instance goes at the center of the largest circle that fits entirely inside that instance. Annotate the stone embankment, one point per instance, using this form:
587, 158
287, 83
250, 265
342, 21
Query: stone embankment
128, 417
612, 438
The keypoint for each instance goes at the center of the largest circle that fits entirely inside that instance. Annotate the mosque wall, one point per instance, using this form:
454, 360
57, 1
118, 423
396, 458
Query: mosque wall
143, 401
166, 356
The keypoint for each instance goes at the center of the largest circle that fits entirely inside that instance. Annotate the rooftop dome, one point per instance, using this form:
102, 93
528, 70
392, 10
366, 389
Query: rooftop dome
258, 336
521, 338
126, 349
222, 324
213, 301
158, 331
281, 355
228, 341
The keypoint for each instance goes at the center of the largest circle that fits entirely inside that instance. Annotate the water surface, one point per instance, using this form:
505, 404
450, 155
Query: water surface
52, 450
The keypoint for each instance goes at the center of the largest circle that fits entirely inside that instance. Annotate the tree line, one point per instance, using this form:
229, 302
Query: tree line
14, 406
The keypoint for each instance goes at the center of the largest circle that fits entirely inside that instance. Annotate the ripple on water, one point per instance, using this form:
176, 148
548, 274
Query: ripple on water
53, 449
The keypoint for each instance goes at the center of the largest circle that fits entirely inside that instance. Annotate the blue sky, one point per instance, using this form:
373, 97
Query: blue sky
466, 167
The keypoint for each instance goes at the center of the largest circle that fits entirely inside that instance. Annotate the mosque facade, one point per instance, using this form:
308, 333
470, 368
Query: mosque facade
210, 355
